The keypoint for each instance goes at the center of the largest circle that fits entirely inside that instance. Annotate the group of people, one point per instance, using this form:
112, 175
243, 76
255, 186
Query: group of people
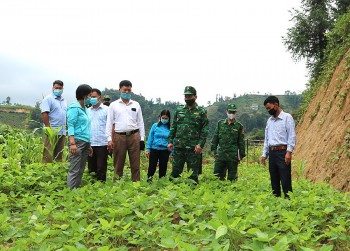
117, 128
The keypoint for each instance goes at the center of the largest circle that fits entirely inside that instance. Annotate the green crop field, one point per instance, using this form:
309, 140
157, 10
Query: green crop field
37, 212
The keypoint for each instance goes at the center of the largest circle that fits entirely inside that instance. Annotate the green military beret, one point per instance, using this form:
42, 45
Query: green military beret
231, 107
190, 90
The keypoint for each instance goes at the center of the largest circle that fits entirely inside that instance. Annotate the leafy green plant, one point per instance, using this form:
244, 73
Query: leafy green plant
37, 211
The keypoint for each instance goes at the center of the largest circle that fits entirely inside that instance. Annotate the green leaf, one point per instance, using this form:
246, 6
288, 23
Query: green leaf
168, 243
326, 248
221, 231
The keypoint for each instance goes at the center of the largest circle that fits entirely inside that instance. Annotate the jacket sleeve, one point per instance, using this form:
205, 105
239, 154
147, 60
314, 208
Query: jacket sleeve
150, 138
241, 143
173, 129
215, 140
204, 130
72, 118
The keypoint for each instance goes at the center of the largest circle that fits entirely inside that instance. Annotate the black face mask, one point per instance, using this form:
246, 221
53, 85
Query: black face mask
106, 103
272, 112
190, 102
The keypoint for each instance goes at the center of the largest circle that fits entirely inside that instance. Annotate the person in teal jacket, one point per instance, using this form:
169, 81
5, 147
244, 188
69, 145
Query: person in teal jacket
156, 148
78, 120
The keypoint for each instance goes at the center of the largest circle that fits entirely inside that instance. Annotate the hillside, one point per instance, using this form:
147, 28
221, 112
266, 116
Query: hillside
323, 134
15, 116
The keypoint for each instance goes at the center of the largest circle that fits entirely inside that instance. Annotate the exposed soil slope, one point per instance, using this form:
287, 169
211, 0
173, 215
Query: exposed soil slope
324, 133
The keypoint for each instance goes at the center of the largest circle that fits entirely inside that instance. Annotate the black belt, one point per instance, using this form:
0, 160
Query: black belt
127, 133
278, 148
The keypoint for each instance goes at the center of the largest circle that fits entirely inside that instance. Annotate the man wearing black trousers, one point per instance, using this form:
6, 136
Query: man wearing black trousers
280, 139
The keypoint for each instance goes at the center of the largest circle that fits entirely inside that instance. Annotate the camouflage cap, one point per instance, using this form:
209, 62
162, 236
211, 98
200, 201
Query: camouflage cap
231, 107
190, 90
106, 97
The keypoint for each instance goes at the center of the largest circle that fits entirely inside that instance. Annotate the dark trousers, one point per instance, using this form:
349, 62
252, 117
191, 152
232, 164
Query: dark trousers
97, 163
182, 156
280, 173
158, 155
223, 166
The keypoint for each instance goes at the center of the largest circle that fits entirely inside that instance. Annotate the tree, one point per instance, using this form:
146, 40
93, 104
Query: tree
8, 101
35, 119
307, 39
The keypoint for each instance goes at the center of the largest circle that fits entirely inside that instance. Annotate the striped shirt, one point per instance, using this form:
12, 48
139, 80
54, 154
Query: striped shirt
98, 125
279, 131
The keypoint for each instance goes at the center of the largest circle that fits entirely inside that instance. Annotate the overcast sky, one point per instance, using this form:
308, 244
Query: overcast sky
219, 47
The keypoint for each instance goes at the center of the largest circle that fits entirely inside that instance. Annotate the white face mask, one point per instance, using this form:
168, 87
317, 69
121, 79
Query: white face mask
231, 116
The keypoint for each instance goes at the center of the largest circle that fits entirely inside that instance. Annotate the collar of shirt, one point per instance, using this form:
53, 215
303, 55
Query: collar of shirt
121, 101
281, 116
194, 108
99, 107
227, 122
60, 98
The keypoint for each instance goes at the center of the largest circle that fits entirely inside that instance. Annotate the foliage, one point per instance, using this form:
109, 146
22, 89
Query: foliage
37, 212
13, 119
337, 49
35, 118
307, 39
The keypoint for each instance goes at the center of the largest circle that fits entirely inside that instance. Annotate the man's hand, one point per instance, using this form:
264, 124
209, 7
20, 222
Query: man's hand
73, 149
91, 152
197, 149
288, 158
263, 161
110, 146
147, 154
170, 147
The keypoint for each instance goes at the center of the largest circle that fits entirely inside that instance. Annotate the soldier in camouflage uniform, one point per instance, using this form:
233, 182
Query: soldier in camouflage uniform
188, 134
228, 145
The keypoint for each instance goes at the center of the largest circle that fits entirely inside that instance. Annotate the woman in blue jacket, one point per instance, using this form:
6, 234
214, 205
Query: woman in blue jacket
156, 148
78, 120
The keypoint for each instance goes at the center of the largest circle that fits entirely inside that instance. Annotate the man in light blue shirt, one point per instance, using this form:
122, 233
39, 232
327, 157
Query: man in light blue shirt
280, 140
53, 112
97, 163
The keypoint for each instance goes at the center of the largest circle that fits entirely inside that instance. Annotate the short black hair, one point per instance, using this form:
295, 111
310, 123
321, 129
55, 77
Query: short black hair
57, 82
97, 91
167, 113
125, 83
82, 91
271, 100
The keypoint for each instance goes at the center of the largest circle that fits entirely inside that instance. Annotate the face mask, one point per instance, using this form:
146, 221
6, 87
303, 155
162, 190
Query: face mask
190, 102
231, 116
124, 95
57, 92
94, 101
272, 112
165, 121
107, 103
87, 101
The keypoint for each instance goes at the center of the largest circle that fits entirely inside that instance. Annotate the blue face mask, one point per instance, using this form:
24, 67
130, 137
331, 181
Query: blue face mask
124, 95
87, 101
165, 121
94, 101
57, 92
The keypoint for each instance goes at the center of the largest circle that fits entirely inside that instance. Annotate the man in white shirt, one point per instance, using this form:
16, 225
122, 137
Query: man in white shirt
97, 163
280, 140
125, 131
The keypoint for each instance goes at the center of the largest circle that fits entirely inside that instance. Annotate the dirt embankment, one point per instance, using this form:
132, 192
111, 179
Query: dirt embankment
324, 132
17, 110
